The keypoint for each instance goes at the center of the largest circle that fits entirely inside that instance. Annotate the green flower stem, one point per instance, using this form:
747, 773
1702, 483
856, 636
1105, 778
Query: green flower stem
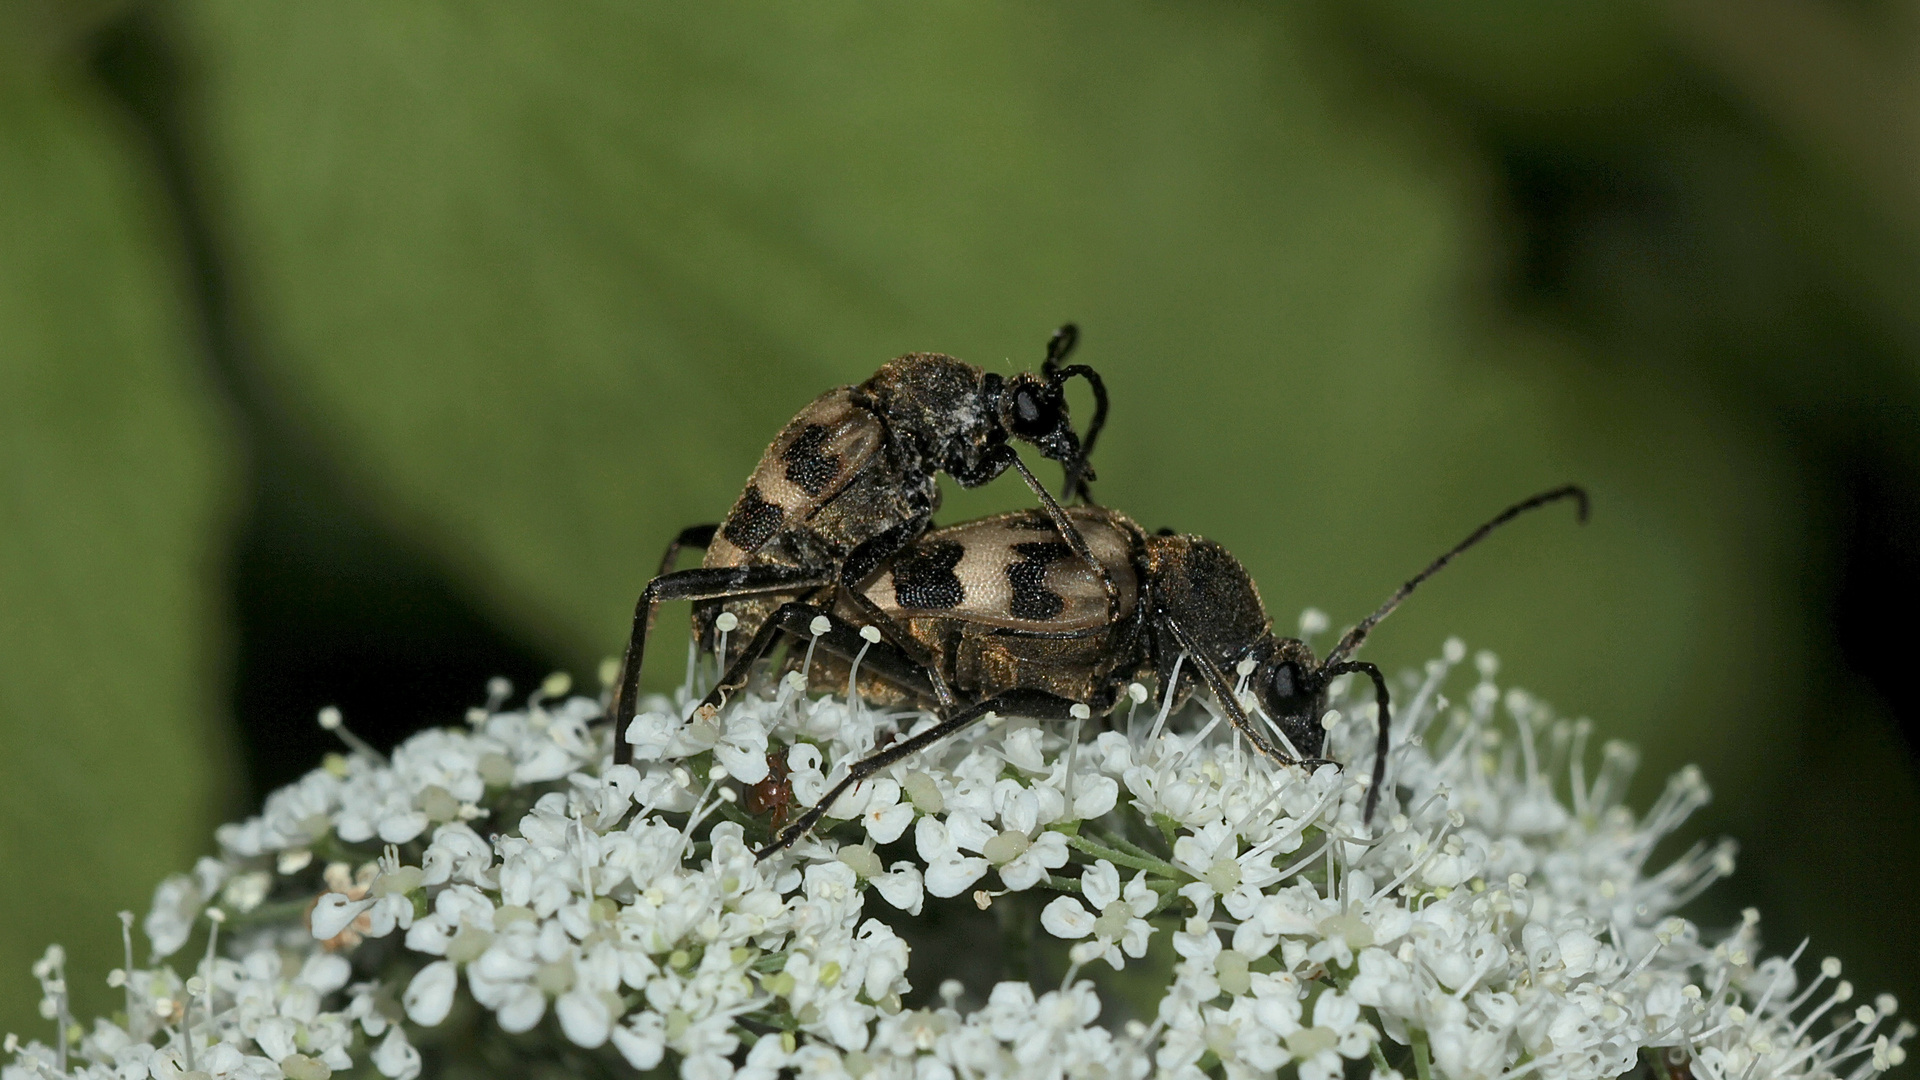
1422, 1065
1379, 1060
1120, 858
1131, 848
280, 911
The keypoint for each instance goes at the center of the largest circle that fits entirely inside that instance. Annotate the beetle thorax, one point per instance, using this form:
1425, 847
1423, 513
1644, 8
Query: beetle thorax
1200, 585
934, 405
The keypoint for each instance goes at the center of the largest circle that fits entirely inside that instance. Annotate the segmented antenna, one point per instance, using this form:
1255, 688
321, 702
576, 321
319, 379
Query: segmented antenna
1358, 634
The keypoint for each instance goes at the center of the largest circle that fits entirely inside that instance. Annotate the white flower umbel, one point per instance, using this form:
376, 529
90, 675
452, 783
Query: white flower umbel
505, 886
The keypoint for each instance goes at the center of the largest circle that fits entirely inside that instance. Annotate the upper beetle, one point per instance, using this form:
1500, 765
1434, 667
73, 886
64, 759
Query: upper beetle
852, 480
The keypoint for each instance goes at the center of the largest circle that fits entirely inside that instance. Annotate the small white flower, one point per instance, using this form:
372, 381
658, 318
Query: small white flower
1117, 920
429, 995
584, 1017
902, 887
642, 1040
395, 1057
885, 817
949, 871
335, 912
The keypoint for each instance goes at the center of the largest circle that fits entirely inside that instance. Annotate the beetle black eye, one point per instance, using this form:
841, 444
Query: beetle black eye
1035, 412
1287, 693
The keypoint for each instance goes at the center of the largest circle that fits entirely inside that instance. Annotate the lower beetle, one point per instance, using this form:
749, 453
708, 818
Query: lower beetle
1016, 625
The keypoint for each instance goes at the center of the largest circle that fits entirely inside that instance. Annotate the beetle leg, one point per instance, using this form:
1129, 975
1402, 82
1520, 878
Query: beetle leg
897, 635
1223, 692
693, 536
703, 583
862, 564
1066, 528
1034, 703
842, 639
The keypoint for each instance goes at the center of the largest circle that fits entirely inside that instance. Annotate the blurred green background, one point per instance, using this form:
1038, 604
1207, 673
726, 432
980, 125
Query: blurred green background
353, 353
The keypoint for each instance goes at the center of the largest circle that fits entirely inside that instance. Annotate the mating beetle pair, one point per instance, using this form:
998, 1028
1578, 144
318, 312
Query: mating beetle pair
1046, 613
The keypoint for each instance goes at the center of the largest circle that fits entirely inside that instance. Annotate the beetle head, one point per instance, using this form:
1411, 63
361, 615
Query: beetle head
1292, 691
1033, 409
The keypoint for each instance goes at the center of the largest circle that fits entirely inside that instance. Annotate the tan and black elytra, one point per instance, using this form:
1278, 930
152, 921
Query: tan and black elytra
1001, 614
851, 481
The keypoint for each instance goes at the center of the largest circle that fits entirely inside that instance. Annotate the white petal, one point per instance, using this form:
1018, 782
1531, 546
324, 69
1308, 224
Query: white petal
846, 1024
1191, 854
1336, 1011
429, 936
1019, 810
902, 888
1139, 895
500, 963
176, 904
649, 734
430, 995
1022, 749
583, 1017
1100, 884
274, 1036
969, 832
1065, 918
930, 839
1022, 873
744, 763
1094, 796
395, 1056
325, 972
521, 1008
643, 1042
335, 913
1049, 849
887, 825
398, 828
950, 877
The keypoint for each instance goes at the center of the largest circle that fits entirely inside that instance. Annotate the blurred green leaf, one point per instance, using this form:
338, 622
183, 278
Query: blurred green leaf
112, 491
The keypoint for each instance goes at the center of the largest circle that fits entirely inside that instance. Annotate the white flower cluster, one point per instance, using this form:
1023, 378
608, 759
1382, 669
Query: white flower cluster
507, 882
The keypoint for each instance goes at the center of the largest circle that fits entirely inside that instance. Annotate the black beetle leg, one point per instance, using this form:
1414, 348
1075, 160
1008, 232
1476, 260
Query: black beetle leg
697, 537
895, 634
1065, 527
705, 583
841, 639
1034, 703
1223, 692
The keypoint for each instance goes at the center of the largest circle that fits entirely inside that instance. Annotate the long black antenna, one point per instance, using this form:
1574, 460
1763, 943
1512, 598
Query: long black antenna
1358, 634
1060, 346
